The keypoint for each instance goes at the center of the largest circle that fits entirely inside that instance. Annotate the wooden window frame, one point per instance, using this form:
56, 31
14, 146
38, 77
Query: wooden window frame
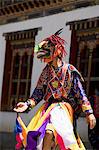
17, 43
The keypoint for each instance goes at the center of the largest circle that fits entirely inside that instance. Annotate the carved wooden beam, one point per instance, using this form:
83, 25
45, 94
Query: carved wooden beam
26, 34
84, 24
22, 10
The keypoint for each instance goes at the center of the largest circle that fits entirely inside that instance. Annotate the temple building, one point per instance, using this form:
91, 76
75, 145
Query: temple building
24, 23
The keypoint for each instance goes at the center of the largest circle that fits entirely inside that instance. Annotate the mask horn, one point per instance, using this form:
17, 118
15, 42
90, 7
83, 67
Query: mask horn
59, 31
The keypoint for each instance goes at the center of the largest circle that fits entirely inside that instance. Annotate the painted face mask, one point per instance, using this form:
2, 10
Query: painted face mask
50, 48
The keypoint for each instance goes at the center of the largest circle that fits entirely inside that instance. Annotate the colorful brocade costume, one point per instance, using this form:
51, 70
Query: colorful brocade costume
60, 89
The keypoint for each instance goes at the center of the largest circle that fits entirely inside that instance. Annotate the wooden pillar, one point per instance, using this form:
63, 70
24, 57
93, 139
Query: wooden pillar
28, 71
81, 47
10, 82
91, 46
73, 48
19, 74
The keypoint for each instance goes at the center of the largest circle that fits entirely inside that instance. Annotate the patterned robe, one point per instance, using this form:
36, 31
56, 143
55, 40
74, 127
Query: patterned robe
63, 93
63, 84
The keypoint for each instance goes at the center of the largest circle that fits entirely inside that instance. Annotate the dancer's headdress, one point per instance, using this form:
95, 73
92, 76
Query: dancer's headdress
51, 47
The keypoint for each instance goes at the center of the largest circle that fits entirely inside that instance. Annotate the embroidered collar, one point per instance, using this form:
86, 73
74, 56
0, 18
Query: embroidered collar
57, 68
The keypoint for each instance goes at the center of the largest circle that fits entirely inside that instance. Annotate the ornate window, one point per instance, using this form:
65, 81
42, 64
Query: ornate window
87, 61
18, 67
85, 51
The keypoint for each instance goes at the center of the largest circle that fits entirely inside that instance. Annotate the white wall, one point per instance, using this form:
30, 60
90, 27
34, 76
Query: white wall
50, 25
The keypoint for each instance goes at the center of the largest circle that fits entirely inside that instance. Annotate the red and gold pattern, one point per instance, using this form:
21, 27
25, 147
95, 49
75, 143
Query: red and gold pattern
59, 85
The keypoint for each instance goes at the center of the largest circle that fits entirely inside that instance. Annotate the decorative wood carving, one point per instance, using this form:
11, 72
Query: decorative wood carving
21, 10
87, 33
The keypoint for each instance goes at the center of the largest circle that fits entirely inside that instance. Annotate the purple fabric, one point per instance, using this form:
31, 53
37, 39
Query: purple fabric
33, 135
42, 128
32, 140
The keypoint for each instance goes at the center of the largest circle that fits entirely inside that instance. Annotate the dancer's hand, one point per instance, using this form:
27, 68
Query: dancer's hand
91, 120
21, 107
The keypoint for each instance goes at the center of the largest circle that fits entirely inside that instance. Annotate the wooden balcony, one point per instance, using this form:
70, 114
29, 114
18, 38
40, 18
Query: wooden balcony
16, 8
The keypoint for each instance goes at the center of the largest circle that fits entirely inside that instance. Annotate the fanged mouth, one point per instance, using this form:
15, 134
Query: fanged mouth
43, 53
